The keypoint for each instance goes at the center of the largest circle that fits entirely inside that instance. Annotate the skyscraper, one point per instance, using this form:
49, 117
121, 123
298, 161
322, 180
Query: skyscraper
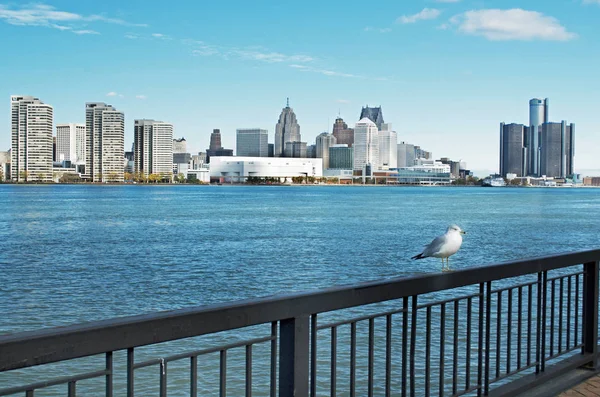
538, 115
31, 130
513, 153
104, 143
406, 154
373, 114
342, 133
70, 143
366, 146
286, 130
179, 145
153, 142
388, 147
295, 149
557, 149
215, 140
252, 142
323, 142
341, 157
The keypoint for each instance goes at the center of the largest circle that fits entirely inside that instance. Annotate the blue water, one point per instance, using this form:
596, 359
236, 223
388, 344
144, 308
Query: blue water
76, 253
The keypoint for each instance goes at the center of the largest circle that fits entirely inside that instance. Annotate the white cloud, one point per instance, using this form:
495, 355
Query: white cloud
425, 14
142, 97
380, 30
270, 57
131, 36
591, 1
112, 93
85, 31
513, 24
158, 35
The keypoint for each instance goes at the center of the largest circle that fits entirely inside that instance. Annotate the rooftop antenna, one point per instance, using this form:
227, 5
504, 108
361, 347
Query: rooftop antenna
288, 102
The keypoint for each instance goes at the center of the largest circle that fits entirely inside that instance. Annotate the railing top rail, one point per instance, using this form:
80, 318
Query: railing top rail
62, 343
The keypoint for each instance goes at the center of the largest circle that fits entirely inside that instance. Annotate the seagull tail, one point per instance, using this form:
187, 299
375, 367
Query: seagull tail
420, 256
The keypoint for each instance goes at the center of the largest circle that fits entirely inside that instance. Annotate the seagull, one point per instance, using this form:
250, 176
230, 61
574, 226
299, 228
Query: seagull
443, 246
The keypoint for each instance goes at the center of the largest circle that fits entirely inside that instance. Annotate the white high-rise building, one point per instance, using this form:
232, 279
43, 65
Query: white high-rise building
252, 142
70, 143
388, 147
153, 147
104, 143
366, 146
323, 143
31, 130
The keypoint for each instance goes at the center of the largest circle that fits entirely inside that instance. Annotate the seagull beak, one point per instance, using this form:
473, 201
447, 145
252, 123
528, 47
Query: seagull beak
463, 232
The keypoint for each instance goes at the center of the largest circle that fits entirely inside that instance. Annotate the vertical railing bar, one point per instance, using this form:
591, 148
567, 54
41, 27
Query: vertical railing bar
538, 327
194, 376
313, 355
404, 343
498, 333
576, 327
109, 374
388, 355
130, 377
223, 373
590, 312
333, 360
529, 321
72, 389
552, 299
488, 320
428, 352
371, 357
560, 315
442, 346
455, 349
353, 359
413, 343
544, 311
569, 292
273, 385
509, 330
468, 357
163, 378
519, 325
248, 370
29, 393
480, 341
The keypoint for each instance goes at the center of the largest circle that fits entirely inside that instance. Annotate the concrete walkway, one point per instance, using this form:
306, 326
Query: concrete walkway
590, 387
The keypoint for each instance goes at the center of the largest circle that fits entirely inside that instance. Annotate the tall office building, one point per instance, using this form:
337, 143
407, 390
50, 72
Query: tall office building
215, 148
388, 147
104, 143
323, 143
373, 114
342, 133
366, 146
252, 142
295, 149
287, 130
311, 151
180, 145
341, 157
513, 153
70, 143
557, 149
153, 147
538, 115
31, 130
405, 155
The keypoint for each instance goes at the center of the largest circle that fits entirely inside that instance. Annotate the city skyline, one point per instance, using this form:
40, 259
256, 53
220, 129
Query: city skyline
428, 57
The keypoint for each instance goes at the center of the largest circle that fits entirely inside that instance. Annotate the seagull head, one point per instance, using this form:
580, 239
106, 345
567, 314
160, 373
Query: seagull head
455, 229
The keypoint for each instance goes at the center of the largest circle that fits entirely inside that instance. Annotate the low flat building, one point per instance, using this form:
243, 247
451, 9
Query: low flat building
427, 172
237, 169
591, 181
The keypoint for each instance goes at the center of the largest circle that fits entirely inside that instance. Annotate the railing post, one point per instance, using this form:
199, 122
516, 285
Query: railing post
293, 356
590, 311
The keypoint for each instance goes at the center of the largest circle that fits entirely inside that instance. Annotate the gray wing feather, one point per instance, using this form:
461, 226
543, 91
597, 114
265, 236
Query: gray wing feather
435, 246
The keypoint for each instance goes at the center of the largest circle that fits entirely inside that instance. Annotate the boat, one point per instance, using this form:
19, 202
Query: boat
493, 182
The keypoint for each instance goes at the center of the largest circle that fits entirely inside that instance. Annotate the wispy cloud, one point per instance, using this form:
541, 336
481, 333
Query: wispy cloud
160, 36
343, 101
591, 1
513, 24
115, 94
131, 36
447, 1
200, 48
326, 72
425, 14
142, 97
380, 30
48, 16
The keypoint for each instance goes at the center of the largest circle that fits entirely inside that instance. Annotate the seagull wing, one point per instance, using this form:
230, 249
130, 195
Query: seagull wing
435, 246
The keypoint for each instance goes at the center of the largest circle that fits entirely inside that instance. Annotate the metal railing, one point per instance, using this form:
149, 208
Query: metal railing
493, 330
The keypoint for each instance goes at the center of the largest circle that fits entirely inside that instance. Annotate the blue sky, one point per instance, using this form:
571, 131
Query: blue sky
446, 72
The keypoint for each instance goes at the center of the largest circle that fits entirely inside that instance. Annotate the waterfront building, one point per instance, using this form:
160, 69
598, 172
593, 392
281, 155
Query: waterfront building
405, 155
373, 114
181, 163
237, 169
388, 147
341, 157
295, 149
366, 147
252, 142
538, 115
425, 172
271, 150
513, 152
5, 166
153, 147
70, 143
180, 145
311, 151
198, 161
104, 143
215, 148
454, 166
557, 149
422, 154
31, 132
323, 142
286, 130
342, 133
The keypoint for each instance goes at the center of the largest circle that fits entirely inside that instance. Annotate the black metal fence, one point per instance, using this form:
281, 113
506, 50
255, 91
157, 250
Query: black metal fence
499, 329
